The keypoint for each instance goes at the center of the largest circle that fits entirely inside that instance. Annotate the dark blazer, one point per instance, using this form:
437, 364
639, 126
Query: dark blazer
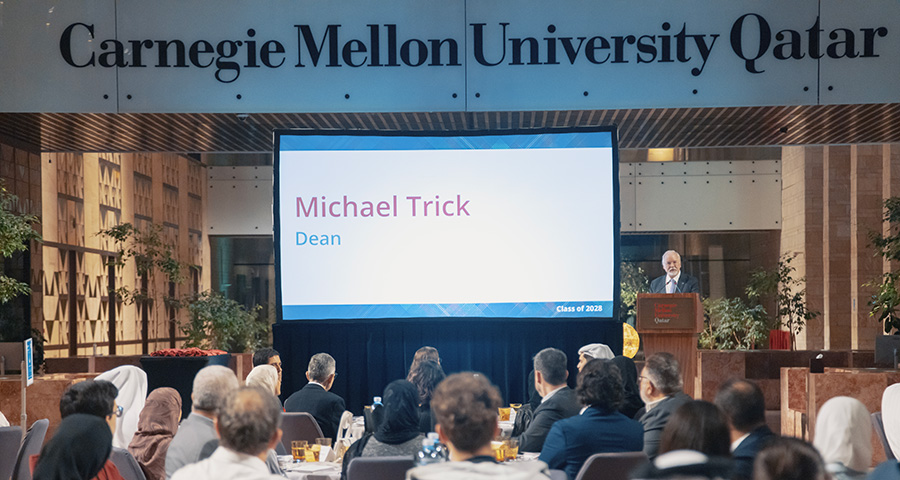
655, 420
746, 452
324, 406
686, 284
572, 440
562, 404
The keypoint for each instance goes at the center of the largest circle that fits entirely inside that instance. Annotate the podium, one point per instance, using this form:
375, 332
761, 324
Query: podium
672, 322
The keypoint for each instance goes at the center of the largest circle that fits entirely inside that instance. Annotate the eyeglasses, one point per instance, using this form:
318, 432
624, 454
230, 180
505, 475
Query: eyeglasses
118, 411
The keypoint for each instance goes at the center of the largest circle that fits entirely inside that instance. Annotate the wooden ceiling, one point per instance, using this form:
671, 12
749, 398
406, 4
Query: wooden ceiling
638, 128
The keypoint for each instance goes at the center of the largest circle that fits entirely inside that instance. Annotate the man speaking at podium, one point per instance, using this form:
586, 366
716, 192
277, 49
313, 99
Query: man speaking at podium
674, 281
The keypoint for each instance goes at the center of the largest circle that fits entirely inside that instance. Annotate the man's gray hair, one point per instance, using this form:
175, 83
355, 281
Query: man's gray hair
663, 371
248, 420
551, 362
321, 365
211, 386
672, 252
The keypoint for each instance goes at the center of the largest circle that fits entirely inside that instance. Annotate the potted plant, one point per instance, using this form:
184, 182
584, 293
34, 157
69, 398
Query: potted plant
886, 298
731, 324
16, 235
791, 310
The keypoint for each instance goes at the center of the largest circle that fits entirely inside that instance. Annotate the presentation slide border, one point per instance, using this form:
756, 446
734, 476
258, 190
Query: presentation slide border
289, 140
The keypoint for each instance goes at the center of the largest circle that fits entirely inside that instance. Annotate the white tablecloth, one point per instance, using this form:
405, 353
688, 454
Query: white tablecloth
314, 471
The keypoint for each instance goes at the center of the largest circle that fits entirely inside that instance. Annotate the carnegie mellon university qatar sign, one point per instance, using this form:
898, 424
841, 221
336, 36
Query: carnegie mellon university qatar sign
414, 55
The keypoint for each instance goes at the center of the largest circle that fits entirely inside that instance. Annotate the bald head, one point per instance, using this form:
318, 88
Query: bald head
249, 420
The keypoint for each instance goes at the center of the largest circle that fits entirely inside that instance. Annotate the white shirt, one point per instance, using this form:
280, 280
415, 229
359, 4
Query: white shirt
737, 443
673, 279
649, 405
225, 464
547, 397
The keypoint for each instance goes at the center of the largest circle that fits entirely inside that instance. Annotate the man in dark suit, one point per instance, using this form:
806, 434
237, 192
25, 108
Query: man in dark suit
558, 400
660, 387
745, 407
674, 281
599, 429
315, 398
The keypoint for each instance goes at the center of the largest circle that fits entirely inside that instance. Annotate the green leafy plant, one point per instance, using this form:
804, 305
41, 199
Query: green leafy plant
219, 322
791, 310
886, 299
151, 254
731, 324
16, 232
632, 280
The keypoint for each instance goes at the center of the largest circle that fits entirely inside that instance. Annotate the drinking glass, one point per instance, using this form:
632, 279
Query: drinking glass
312, 453
499, 451
504, 414
512, 449
298, 450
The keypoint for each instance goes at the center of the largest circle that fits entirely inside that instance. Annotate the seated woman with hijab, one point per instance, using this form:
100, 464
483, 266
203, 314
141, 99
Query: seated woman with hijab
425, 377
844, 438
78, 450
632, 402
398, 433
156, 427
132, 384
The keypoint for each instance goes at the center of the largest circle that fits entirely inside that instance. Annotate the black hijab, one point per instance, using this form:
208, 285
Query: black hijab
628, 370
401, 417
77, 451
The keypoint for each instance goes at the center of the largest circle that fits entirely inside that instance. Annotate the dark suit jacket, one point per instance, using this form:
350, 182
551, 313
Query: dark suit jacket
324, 406
686, 284
655, 420
746, 452
562, 404
572, 440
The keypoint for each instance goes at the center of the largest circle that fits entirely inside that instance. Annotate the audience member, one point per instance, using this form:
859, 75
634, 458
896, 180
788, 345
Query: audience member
591, 351
265, 377
3, 421
269, 356
632, 403
661, 390
558, 400
426, 377
78, 450
91, 397
398, 433
600, 428
744, 406
465, 405
423, 354
157, 425
789, 459
890, 416
844, 438
315, 398
212, 385
684, 465
248, 427
697, 425
132, 384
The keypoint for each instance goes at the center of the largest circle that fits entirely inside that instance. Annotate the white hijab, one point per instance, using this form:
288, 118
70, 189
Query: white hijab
264, 376
132, 384
844, 433
890, 415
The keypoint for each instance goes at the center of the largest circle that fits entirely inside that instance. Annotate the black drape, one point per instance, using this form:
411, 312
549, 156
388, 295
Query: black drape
372, 353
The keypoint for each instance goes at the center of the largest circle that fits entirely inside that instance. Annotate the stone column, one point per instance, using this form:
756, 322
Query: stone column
866, 173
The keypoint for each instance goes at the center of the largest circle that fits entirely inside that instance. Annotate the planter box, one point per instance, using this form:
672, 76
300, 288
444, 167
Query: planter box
178, 373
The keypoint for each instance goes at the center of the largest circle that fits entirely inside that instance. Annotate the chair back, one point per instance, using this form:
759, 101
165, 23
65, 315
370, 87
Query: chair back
127, 464
611, 466
878, 424
299, 426
379, 468
34, 440
10, 441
